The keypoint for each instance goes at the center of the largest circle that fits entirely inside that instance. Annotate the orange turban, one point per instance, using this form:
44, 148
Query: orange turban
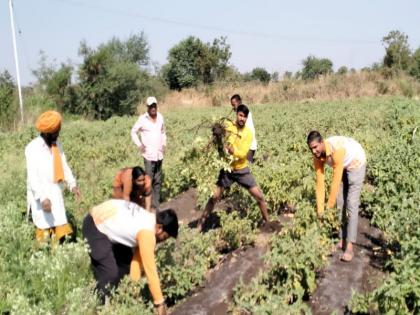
49, 122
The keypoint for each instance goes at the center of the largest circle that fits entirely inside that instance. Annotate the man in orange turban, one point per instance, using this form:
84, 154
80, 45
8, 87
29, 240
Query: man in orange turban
47, 172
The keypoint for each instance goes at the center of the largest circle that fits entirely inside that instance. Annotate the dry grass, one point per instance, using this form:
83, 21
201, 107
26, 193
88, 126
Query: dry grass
333, 87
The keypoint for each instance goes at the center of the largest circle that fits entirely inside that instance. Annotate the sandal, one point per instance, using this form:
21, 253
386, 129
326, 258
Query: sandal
347, 256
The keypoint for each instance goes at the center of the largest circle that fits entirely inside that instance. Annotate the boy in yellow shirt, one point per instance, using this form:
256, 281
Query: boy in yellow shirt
238, 144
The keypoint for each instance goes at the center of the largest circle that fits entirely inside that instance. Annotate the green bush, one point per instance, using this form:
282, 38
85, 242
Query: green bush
342, 70
314, 67
7, 106
192, 62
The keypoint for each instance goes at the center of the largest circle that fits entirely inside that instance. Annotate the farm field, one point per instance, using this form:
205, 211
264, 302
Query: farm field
58, 280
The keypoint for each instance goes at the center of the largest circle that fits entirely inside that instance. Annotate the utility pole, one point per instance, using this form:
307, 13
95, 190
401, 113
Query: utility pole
12, 23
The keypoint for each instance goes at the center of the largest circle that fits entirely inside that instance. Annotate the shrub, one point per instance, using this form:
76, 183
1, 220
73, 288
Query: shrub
314, 67
7, 108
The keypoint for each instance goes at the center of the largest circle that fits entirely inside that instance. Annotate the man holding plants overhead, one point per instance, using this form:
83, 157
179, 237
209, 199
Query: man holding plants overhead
235, 101
238, 142
348, 160
47, 172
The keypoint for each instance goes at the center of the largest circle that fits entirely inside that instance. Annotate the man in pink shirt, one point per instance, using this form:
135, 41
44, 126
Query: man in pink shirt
151, 144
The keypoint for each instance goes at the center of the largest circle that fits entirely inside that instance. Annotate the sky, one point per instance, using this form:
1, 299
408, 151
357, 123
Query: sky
276, 35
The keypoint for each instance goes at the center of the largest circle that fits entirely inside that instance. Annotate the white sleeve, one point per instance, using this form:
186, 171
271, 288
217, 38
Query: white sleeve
134, 136
34, 181
163, 132
250, 124
68, 175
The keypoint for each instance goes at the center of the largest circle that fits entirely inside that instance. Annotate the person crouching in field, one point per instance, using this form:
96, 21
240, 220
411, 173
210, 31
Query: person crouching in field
348, 160
133, 184
112, 229
239, 142
47, 171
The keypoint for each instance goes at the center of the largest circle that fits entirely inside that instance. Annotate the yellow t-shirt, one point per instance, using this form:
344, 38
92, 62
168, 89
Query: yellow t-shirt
240, 139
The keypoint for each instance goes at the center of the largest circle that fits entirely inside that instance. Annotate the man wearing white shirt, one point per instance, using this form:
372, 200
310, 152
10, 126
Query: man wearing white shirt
235, 101
48, 171
151, 144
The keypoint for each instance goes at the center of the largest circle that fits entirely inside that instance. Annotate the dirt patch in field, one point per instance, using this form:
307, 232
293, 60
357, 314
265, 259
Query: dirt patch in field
240, 265
363, 274
185, 206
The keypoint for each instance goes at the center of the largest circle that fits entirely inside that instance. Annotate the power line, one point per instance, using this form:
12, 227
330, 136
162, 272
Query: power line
216, 28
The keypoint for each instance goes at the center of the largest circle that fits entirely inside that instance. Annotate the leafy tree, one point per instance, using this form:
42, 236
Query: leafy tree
7, 88
260, 74
314, 67
342, 70
397, 50
45, 70
415, 64
192, 62
111, 80
376, 66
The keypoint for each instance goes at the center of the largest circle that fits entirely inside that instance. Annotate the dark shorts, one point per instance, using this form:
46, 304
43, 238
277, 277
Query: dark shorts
243, 177
250, 156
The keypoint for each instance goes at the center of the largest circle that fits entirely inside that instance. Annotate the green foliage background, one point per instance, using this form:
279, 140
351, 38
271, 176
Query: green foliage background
50, 281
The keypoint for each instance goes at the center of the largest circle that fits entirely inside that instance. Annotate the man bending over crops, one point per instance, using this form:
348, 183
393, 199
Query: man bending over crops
112, 230
47, 172
348, 160
239, 139
235, 101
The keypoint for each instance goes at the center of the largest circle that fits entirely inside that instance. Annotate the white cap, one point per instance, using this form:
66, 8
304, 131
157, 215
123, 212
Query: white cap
151, 100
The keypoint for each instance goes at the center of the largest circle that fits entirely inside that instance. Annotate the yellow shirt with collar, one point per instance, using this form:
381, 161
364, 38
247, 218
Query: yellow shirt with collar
240, 139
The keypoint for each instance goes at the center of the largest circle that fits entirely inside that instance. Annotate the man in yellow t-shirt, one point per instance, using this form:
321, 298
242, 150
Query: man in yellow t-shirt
348, 160
239, 139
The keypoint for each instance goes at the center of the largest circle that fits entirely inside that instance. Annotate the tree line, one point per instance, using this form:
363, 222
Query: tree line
113, 77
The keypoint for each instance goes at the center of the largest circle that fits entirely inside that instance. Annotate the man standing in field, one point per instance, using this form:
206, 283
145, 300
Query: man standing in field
116, 227
348, 160
235, 101
47, 171
151, 144
239, 139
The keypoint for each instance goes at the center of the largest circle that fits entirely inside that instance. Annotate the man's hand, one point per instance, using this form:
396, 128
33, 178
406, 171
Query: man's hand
77, 193
163, 149
161, 309
229, 149
142, 148
46, 205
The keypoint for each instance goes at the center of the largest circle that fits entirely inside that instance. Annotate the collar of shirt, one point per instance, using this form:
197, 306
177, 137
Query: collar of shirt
328, 150
150, 118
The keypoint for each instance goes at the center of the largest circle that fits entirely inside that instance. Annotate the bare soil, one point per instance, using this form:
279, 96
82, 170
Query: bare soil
185, 206
240, 265
334, 285
362, 274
